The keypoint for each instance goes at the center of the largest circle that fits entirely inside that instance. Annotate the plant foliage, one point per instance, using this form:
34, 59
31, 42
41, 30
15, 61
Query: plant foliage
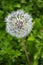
11, 49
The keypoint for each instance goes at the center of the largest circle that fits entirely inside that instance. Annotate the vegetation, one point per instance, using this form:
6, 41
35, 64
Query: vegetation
11, 49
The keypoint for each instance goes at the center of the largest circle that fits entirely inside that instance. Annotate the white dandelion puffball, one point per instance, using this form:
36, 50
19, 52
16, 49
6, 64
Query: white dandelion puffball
18, 23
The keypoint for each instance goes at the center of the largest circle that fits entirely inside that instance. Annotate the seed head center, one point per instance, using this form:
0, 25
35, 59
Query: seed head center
19, 24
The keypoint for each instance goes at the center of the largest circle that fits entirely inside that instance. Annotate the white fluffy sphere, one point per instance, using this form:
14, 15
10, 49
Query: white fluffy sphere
18, 23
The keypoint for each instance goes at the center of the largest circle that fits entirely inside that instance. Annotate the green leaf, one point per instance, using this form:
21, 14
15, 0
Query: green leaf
31, 38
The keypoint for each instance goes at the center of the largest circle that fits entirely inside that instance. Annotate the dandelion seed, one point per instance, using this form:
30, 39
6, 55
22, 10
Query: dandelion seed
18, 23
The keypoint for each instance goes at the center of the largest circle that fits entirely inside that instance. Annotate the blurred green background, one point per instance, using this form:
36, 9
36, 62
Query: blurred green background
11, 49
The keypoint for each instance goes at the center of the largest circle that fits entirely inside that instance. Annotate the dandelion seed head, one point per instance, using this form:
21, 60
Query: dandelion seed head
18, 23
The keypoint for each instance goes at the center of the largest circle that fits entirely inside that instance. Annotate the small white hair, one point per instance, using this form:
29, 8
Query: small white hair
18, 23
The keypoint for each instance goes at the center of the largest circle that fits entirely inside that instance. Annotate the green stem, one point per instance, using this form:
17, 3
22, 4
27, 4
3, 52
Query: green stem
26, 53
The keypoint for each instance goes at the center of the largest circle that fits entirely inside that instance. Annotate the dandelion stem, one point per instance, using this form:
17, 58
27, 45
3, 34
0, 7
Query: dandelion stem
26, 53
